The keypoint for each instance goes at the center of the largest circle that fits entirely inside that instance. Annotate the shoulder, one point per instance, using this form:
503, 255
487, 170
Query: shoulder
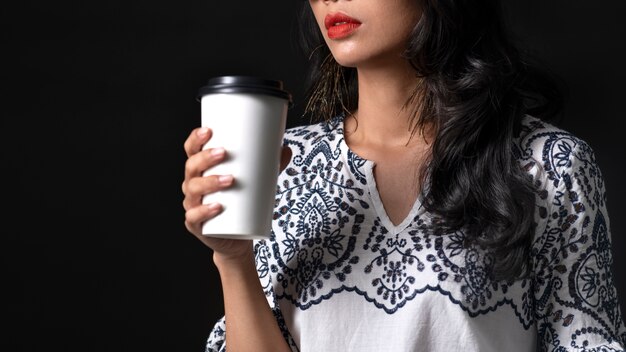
546, 150
313, 130
539, 135
303, 139
571, 249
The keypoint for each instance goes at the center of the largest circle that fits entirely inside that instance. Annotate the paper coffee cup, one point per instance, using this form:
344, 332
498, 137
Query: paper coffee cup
248, 116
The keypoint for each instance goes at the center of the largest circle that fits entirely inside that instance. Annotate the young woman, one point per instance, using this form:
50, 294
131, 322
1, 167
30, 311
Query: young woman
433, 208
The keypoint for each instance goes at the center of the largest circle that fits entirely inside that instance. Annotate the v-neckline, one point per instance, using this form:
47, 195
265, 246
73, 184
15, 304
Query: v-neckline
368, 169
380, 207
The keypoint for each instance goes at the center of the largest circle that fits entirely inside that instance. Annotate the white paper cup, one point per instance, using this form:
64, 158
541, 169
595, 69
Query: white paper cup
248, 116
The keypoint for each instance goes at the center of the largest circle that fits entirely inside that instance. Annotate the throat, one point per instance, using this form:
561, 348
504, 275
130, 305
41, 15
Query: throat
397, 170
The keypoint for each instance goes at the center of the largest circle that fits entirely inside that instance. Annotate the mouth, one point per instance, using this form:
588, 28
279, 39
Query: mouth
339, 25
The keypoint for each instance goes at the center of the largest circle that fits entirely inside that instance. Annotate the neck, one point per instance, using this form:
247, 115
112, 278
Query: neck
382, 119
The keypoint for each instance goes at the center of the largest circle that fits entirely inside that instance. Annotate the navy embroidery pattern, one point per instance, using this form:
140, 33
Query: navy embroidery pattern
392, 257
328, 239
320, 209
319, 215
573, 276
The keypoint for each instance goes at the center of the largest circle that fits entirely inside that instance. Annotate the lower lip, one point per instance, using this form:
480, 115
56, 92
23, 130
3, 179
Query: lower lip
342, 30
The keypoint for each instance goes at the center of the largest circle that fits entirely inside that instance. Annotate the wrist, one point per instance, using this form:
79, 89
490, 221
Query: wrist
234, 263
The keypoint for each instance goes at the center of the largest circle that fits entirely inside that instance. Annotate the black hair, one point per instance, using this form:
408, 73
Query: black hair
475, 88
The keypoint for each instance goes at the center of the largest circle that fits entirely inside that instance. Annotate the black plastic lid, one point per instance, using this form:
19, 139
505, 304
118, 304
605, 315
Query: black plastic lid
244, 84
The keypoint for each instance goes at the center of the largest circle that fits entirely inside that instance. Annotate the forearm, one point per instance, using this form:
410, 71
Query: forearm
250, 323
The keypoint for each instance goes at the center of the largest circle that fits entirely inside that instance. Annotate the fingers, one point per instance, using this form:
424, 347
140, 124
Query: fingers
195, 185
194, 217
194, 189
197, 138
197, 163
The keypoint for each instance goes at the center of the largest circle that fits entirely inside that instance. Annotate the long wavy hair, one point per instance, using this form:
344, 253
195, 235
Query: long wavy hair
475, 87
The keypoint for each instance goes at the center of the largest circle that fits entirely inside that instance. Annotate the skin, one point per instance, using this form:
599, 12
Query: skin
250, 322
385, 81
383, 136
380, 40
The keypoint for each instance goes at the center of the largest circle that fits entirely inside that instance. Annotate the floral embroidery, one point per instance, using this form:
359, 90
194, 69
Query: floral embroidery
327, 239
394, 256
573, 257
320, 225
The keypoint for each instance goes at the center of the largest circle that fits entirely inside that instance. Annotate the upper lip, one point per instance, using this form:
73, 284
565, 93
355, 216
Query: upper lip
334, 18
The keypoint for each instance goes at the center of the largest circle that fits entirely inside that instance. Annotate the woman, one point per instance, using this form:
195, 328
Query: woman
433, 208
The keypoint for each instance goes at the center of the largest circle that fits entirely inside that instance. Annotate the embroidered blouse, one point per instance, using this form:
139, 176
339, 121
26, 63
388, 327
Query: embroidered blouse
340, 276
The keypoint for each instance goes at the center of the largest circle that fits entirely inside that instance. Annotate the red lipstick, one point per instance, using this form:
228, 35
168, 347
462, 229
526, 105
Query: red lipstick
339, 25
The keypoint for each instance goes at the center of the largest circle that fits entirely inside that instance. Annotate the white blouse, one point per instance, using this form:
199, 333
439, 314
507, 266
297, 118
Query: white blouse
341, 277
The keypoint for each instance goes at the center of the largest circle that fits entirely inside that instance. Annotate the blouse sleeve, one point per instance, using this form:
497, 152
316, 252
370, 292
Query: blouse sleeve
576, 303
217, 337
216, 341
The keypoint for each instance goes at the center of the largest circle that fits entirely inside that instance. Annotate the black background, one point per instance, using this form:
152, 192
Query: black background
97, 100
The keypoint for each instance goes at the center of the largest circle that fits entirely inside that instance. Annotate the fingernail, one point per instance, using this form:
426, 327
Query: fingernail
213, 207
225, 180
217, 151
203, 131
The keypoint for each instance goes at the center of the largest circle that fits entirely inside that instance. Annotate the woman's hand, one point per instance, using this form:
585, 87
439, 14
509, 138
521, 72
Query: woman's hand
250, 322
195, 186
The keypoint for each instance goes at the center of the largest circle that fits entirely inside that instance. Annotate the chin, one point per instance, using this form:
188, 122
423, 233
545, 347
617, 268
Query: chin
347, 54
346, 63
352, 58
363, 63
348, 60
